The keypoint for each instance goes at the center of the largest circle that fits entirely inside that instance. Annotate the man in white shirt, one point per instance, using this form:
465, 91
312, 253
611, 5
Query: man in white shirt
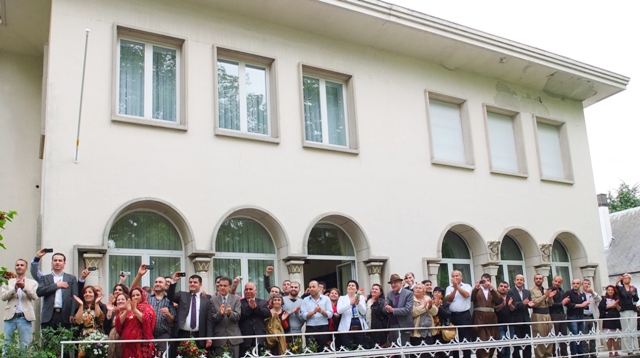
591, 314
458, 295
316, 311
20, 294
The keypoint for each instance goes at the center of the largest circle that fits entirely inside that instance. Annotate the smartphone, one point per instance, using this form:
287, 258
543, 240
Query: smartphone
150, 267
182, 274
125, 274
482, 282
92, 268
48, 250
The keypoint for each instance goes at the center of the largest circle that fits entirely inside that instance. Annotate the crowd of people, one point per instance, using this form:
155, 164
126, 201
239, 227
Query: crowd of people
416, 313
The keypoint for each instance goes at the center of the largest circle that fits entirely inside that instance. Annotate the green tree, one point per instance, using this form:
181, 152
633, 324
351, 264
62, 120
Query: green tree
4, 218
627, 197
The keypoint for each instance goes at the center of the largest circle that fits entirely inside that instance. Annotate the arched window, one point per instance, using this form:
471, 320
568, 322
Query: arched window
144, 237
560, 265
331, 256
244, 248
455, 256
512, 262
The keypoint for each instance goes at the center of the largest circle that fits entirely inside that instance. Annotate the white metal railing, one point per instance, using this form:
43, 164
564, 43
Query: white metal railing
396, 348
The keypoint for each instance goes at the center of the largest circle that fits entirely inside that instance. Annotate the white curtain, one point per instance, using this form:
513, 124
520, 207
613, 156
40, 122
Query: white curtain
164, 84
446, 132
504, 155
335, 114
131, 89
550, 151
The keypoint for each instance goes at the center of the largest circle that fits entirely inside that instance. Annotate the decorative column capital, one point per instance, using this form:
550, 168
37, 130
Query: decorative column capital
201, 264
543, 270
494, 250
545, 249
589, 270
294, 266
92, 259
374, 267
491, 269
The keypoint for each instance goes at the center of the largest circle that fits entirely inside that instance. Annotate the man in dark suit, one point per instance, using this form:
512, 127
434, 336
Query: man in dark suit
520, 314
57, 290
398, 306
226, 311
193, 318
253, 313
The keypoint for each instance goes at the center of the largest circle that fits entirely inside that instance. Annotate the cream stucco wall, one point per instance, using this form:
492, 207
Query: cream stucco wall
20, 166
402, 203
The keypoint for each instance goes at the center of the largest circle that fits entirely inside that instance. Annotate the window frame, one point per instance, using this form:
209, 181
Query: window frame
161, 40
465, 125
566, 282
348, 82
518, 137
504, 264
565, 154
457, 261
269, 64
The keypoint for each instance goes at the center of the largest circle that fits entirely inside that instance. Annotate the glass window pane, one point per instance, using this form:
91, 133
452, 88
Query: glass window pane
454, 247
312, 116
446, 132
144, 230
164, 266
466, 273
514, 270
559, 253
502, 142
335, 114
329, 240
226, 267
164, 84
550, 150
443, 276
119, 263
131, 86
244, 235
509, 249
257, 269
256, 87
565, 273
228, 95
500, 276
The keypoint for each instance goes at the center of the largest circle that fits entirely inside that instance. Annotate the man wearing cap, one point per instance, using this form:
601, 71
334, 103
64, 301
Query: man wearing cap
459, 299
398, 306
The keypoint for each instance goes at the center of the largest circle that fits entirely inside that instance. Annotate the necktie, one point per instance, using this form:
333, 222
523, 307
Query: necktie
396, 300
224, 301
193, 311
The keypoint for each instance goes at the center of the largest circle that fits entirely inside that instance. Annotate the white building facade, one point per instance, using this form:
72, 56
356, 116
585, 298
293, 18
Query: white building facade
331, 139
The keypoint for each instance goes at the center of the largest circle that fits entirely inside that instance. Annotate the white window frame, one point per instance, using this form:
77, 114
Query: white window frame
469, 162
451, 261
565, 155
506, 263
555, 265
349, 111
145, 255
517, 137
150, 40
269, 64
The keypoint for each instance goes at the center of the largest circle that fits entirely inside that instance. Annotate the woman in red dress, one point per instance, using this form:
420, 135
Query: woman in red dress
137, 321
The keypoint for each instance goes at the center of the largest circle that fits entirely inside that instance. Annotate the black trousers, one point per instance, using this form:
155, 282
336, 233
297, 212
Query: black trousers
560, 328
521, 331
462, 319
321, 339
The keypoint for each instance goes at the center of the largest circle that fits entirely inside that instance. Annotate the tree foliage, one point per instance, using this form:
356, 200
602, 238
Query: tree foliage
626, 197
5, 217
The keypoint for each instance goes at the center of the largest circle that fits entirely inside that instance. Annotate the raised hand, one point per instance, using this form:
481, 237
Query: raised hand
222, 309
228, 311
285, 315
128, 305
565, 301
78, 300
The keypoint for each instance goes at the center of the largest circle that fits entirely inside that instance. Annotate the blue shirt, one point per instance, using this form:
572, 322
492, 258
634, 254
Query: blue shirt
309, 304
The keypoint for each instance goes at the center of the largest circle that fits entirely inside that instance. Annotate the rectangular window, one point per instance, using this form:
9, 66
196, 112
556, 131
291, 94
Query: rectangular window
148, 80
329, 114
449, 131
506, 145
245, 96
553, 150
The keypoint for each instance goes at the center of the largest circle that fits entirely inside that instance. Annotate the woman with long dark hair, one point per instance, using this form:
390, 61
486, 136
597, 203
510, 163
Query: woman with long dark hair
89, 316
137, 321
610, 314
113, 313
375, 318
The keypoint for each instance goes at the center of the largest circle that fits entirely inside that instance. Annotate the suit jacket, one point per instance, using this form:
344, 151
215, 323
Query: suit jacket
10, 294
403, 310
47, 290
183, 299
252, 320
521, 312
226, 326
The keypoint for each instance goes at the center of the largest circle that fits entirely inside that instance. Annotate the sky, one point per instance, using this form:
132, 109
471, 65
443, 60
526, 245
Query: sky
601, 34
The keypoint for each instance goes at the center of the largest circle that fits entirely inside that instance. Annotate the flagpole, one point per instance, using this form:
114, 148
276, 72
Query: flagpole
84, 67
